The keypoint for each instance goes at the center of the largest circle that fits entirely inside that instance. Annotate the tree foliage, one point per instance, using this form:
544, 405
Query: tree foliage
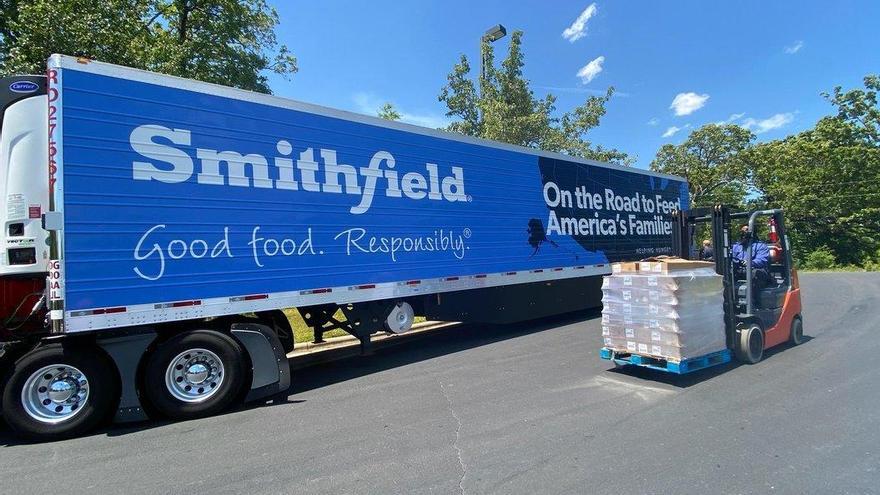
506, 109
826, 178
859, 108
230, 42
388, 112
710, 162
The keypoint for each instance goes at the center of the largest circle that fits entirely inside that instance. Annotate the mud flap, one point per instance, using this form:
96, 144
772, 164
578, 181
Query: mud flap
270, 370
126, 351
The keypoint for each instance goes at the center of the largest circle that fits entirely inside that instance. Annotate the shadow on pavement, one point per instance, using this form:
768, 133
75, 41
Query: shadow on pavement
696, 377
418, 348
421, 348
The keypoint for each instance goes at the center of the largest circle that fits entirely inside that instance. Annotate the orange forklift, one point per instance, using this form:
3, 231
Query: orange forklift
758, 314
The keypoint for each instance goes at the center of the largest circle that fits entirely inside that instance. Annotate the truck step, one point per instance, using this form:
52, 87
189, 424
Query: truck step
677, 367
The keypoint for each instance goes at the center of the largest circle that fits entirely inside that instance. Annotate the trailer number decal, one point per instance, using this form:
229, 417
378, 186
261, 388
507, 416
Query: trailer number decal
53, 123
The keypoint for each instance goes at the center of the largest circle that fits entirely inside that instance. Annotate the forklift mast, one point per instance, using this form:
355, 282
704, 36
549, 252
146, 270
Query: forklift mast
684, 224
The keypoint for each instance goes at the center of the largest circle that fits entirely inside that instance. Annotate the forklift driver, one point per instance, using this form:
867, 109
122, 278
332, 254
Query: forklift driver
760, 252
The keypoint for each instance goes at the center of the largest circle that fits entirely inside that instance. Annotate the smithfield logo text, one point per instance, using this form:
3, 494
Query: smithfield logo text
306, 172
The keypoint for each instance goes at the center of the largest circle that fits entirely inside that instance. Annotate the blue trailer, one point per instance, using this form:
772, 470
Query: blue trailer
182, 216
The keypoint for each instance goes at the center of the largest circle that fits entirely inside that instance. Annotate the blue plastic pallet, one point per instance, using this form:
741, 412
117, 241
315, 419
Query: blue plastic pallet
680, 368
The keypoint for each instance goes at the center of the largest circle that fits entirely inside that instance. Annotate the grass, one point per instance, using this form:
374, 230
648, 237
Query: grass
846, 268
303, 333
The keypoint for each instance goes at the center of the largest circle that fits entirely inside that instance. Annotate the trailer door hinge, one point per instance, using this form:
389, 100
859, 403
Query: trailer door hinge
52, 220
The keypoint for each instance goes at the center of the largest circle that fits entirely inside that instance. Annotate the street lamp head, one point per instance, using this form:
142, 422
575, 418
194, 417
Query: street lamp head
495, 33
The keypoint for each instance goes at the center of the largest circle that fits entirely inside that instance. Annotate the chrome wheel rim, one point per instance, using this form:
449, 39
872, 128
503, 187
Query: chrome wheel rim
194, 375
55, 393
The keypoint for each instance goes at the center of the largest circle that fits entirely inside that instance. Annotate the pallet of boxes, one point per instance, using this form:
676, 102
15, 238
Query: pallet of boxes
666, 314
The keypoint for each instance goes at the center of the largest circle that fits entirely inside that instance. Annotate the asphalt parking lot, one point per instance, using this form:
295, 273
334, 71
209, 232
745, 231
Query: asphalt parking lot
525, 408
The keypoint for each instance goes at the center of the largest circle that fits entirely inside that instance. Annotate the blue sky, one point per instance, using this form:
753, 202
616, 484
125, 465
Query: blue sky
760, 64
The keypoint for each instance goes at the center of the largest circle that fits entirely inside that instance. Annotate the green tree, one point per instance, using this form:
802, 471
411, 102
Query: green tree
388, 112
826, 179
230, 42
710, 162
859, 108
34, 30
506, 109
821, 258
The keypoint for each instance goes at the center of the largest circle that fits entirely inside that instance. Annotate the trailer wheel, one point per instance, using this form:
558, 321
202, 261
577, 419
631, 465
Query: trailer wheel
750, 347
797, 331
59, 391
194, 374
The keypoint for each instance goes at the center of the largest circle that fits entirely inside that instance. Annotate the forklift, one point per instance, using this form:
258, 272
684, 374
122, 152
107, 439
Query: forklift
757, 316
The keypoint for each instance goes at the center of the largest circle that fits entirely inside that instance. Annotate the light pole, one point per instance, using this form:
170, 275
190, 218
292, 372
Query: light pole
491, 35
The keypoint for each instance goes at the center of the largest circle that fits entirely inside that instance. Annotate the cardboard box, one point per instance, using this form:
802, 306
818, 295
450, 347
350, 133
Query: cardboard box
628, 267
669, 265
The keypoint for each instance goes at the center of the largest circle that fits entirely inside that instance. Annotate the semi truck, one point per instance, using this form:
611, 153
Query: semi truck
155, 228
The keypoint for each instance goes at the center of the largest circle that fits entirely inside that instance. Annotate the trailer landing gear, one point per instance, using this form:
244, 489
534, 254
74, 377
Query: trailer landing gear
361, 319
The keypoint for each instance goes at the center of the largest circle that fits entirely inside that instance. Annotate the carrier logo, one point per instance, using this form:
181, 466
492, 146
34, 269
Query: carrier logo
313, 170
23, 87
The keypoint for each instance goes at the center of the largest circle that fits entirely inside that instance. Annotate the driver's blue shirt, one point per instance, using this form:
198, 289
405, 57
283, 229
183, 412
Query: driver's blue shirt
760, 253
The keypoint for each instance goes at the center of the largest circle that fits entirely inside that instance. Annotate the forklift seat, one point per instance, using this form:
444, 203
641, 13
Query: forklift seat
770, 297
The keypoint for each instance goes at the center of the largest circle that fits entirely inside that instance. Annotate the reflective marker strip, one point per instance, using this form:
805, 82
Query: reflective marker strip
314, 291
179, 304
99, 311
253, 297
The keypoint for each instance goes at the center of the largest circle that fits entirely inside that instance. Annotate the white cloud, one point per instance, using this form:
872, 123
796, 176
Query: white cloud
672, 130
654, 121
370, 104
768, 124
578, 28
794, 47
591, 70
733, 118
688, 103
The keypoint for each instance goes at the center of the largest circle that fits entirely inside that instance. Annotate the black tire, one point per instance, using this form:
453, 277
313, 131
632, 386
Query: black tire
167, 393
796, 336
83, 412
750, 345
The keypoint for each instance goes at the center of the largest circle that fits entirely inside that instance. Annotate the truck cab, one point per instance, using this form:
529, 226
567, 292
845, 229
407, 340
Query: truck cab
24, 252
